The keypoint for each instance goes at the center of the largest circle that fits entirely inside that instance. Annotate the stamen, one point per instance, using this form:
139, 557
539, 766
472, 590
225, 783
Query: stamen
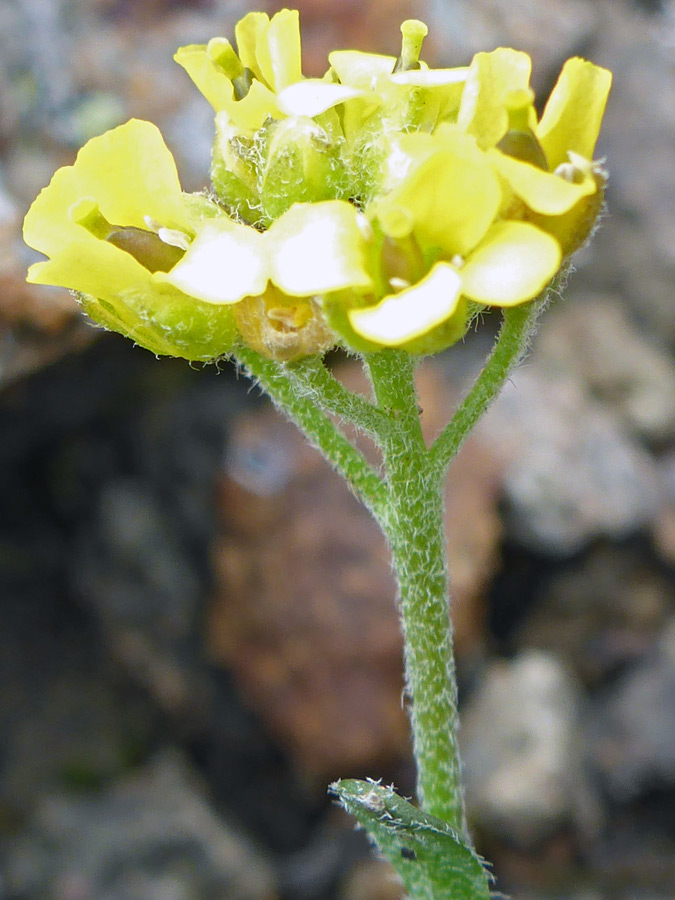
398, 284
174, 238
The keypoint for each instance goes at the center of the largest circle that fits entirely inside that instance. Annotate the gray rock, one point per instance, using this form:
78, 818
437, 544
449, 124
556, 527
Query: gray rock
550, 30
572, 472
594, 339
601, 613
523, 768
631, 728
152, 837
634, 252
135, 572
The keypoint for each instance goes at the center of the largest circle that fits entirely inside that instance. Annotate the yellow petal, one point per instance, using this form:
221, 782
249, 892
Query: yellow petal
573, 114
452, 195
315, 248
431, 78
513, 264
207, 76
92, 267
361, 70
543, 192
492, 77
412, 312
225, 263
131, 174
250, 112
248, 32
278, 50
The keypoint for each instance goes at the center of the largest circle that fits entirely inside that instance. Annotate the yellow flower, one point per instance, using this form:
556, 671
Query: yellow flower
110, 224
164, 267
444, 244
245, 84
546, 166
382, 204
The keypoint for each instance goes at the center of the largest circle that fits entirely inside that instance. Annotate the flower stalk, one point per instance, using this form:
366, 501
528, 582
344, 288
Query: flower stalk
415, 530
407, 502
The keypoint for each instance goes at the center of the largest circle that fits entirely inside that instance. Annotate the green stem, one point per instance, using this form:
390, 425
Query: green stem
415, 530
409, 508
332, 396
277, 381
518, 325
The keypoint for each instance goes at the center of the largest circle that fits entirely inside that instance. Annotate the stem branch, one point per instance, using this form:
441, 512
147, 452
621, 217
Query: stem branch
518, 325
277, 381
332, 396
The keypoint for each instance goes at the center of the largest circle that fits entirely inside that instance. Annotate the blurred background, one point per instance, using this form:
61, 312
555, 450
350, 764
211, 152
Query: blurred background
197, 625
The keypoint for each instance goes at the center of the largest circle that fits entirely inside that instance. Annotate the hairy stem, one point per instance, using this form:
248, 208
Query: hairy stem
276, 379
332, 396
518, 325
415, 530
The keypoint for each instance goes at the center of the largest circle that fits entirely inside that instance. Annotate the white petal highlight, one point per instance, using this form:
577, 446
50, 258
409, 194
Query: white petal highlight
315, 248
413, 312
313, 96
225, 263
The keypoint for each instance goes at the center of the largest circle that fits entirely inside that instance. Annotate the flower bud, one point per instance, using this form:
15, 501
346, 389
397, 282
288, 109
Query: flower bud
233, 170
302, 166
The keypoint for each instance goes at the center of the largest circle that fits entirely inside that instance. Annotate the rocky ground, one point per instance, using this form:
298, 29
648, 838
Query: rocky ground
198, 630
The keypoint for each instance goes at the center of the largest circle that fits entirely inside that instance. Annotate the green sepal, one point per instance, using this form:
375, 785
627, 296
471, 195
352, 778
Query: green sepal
179, 326
233, 170
302, 166
433, 860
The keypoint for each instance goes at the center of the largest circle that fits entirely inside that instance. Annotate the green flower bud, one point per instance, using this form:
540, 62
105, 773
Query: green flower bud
233, 171
302, 166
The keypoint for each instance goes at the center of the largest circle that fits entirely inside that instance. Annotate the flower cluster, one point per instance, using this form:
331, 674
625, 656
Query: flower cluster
378, 206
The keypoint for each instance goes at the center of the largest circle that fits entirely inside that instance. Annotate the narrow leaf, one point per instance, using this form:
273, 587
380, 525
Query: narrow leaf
433, 860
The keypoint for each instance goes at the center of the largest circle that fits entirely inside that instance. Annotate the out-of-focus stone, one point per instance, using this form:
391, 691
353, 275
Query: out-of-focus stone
593, 339
152, 836
664, 526
522, 758
304, 612
633, 254
601, 614
550, 30
372, 879
572, 472
631, 727
134, 572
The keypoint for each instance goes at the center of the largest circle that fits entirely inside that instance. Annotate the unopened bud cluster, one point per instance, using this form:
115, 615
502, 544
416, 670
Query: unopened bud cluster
378, 206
